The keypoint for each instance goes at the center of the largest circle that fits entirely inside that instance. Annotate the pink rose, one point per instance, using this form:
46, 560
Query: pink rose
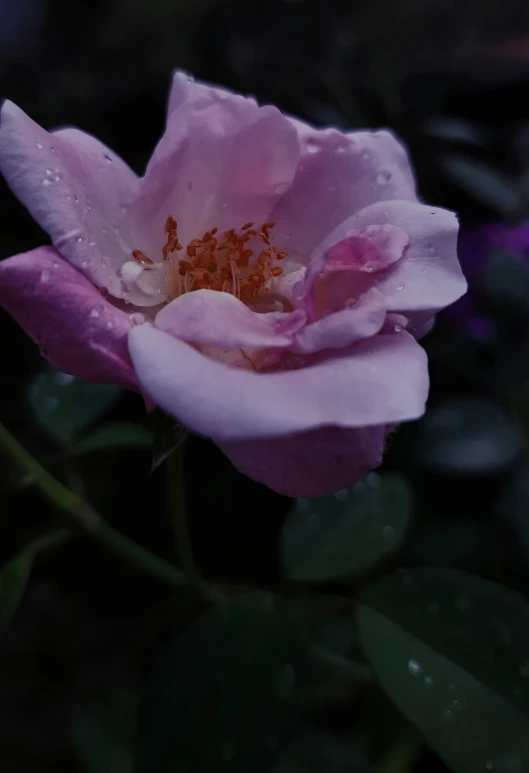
264, 281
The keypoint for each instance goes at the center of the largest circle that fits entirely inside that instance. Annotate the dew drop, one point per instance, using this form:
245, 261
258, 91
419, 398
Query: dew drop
110, 324
91, 244
49, 173
414, 667
398, 329
137, 318
45, 275
456, 705
94, 313
39, 146
384, 177
46, 182
84, 264
448, 715
80, 238
341, 149
428, 681
389, 533
312, 145
400, 288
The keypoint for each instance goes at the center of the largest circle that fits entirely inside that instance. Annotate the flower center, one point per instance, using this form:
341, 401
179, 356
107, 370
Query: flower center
227, 263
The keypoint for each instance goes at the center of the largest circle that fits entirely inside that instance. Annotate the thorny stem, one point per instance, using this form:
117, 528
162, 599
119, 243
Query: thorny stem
80, 515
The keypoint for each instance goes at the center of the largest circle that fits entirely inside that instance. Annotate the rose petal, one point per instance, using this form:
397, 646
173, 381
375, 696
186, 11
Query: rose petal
311, 464
220, 319
75, 188
79, 331
339, 174
220, 163
428, 277
344, 328
379, 381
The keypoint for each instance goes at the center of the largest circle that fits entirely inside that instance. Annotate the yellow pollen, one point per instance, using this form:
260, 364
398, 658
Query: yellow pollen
220, 262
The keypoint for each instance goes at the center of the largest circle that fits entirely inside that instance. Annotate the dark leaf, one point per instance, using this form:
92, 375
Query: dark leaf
344, 534
112, 436
223, 696
103, 733
63, 405
452, 651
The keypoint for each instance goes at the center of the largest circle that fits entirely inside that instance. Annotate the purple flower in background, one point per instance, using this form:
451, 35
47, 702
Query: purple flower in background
475, 246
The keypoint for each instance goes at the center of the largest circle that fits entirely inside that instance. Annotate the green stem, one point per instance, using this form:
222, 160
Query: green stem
78, 514
179, 522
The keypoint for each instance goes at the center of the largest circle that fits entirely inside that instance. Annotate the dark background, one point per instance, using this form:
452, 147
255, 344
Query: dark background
452, 79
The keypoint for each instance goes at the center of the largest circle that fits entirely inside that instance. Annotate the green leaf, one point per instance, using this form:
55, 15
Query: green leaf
112, 436
341, 535
467, 436
13, 579
103, 733
452, 651
14, 575
63, 405
223, 696
168, 437
482, 181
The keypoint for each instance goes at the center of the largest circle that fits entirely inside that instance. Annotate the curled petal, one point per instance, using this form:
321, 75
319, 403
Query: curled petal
219, 319
79, 331
378, 381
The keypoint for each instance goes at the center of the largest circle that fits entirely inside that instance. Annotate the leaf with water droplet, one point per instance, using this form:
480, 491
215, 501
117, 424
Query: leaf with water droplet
344, 534
223, 696
469, 706
64, 405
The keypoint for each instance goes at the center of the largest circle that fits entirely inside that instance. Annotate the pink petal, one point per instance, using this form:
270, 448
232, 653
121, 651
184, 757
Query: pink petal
75, 188
221, 162
339, 174
378, 381
428, 277
220, 319
344, 328
79, 331
185, 91
311, 464
342, 267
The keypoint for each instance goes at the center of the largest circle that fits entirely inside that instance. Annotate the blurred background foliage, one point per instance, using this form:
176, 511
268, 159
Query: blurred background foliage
451, 77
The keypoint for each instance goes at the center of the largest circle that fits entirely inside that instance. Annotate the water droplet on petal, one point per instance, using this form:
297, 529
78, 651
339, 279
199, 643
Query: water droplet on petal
137, 318
91, 244
110, 324
414, 667
456, 705
400, 288
384, 177
312, 145
45, 275
49, 173
448, 715
39, 145
80, 238
428, 681
94, 313
398, 329
55, 264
